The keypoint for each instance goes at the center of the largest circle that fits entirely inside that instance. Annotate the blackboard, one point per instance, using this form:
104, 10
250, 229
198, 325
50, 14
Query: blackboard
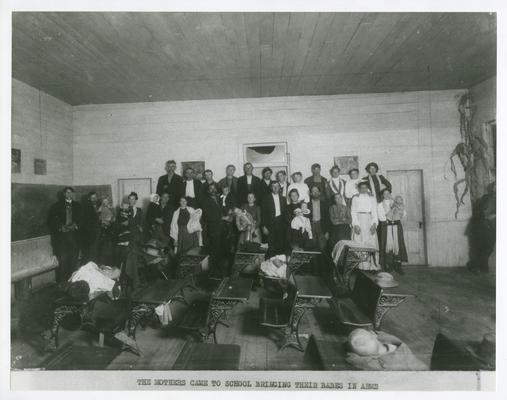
30, 205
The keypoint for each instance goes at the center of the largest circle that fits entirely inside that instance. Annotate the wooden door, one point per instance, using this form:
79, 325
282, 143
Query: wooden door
409, 185
142, 186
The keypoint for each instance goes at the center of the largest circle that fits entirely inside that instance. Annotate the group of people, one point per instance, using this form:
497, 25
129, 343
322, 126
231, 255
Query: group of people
186, 213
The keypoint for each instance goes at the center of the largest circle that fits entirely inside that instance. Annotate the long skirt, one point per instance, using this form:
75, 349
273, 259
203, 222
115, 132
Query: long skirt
186, 241
337, 233
365, 237
392, 249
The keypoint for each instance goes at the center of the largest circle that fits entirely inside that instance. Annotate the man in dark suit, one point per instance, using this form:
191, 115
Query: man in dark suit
64, 221
229, 180
274, 220
90, 229
316, 179
248, 183
192, 188
208, 180
319, 218
212, 214
376, 183
171, 183
266, 181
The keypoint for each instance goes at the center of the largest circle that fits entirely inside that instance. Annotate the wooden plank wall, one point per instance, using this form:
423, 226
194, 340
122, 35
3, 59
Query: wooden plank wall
41, 128
411, 130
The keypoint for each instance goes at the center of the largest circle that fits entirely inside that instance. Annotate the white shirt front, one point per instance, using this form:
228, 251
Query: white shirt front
249, 179
189, 189
351, 188
276, 199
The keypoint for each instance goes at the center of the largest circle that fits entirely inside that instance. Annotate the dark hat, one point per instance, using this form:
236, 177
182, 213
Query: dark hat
79, 291
371, 164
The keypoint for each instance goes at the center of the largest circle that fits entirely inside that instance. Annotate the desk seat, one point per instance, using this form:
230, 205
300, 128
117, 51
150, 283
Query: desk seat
206, 356
348, 313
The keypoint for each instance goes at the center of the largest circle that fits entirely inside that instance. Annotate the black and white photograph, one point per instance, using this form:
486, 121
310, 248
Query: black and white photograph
253, 200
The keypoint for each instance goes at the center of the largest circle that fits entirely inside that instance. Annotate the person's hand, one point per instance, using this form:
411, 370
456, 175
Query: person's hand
357, 230
326, 235
265, 230
159, 220
125, 223
373, 229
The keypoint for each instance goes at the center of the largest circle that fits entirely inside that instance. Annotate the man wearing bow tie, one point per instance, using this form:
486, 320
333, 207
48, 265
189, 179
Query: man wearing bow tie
64, 221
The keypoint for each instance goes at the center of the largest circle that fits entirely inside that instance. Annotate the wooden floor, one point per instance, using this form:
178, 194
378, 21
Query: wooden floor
449, 300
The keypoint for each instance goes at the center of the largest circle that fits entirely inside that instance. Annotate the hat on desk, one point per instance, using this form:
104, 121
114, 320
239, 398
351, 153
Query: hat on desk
385, 280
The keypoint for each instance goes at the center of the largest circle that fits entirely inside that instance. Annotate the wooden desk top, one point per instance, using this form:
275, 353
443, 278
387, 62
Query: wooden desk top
312, 286
159, 292
237, 288
386, 290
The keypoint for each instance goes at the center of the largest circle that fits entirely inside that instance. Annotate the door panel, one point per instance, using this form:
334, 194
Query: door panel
142, 186
409, 185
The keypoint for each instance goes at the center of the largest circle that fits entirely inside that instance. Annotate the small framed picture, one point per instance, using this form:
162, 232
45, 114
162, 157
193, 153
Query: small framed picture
40, 166
15, 161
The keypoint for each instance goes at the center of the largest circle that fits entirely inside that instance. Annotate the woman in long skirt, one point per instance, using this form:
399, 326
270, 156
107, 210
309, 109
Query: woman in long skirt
392, 247
183, 239
365, 221
340, 217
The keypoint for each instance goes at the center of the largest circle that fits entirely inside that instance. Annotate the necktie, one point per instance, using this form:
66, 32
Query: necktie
68, 213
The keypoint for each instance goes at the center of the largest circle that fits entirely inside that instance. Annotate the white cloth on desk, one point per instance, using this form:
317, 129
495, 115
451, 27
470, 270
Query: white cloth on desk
276, 266
97, 280
163, 312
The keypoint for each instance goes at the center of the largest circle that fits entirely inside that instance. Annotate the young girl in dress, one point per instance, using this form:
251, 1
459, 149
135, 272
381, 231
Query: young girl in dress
300, 228
391, 241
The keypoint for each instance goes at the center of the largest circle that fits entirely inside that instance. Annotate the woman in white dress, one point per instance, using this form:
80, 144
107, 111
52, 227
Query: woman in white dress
364, 217
301, 187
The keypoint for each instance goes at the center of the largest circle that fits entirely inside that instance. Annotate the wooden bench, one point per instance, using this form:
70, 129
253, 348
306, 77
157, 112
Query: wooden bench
22, 280
278, 313
197, 320
359, 309
367, 304
323, 355
300, 261
205, 356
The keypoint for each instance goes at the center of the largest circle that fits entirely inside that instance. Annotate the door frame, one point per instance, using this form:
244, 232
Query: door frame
423, 204
131, 179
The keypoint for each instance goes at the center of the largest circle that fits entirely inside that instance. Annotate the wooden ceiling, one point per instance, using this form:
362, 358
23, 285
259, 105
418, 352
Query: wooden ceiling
91, 58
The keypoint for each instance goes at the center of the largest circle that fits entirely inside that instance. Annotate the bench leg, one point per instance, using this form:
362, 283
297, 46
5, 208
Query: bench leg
59, 315
291, 338
385, 303
138, 315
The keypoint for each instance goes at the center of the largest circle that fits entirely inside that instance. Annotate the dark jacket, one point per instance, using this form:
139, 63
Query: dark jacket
57, 216
90, 222
268, 211
264, 189
325, 220
378, 180
243, 189
321, 185
174, 188
211, 211
232, 184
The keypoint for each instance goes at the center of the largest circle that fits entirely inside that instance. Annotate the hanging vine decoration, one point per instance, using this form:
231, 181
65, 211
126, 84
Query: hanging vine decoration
470, 150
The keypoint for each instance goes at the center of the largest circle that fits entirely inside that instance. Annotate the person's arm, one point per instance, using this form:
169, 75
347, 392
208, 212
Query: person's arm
353, 211
160, 186
386, 183
374, 212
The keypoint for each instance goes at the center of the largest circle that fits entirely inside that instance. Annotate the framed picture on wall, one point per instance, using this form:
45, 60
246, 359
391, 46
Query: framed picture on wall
266, 154
15, 161
197, 166
346, 163
40, 166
